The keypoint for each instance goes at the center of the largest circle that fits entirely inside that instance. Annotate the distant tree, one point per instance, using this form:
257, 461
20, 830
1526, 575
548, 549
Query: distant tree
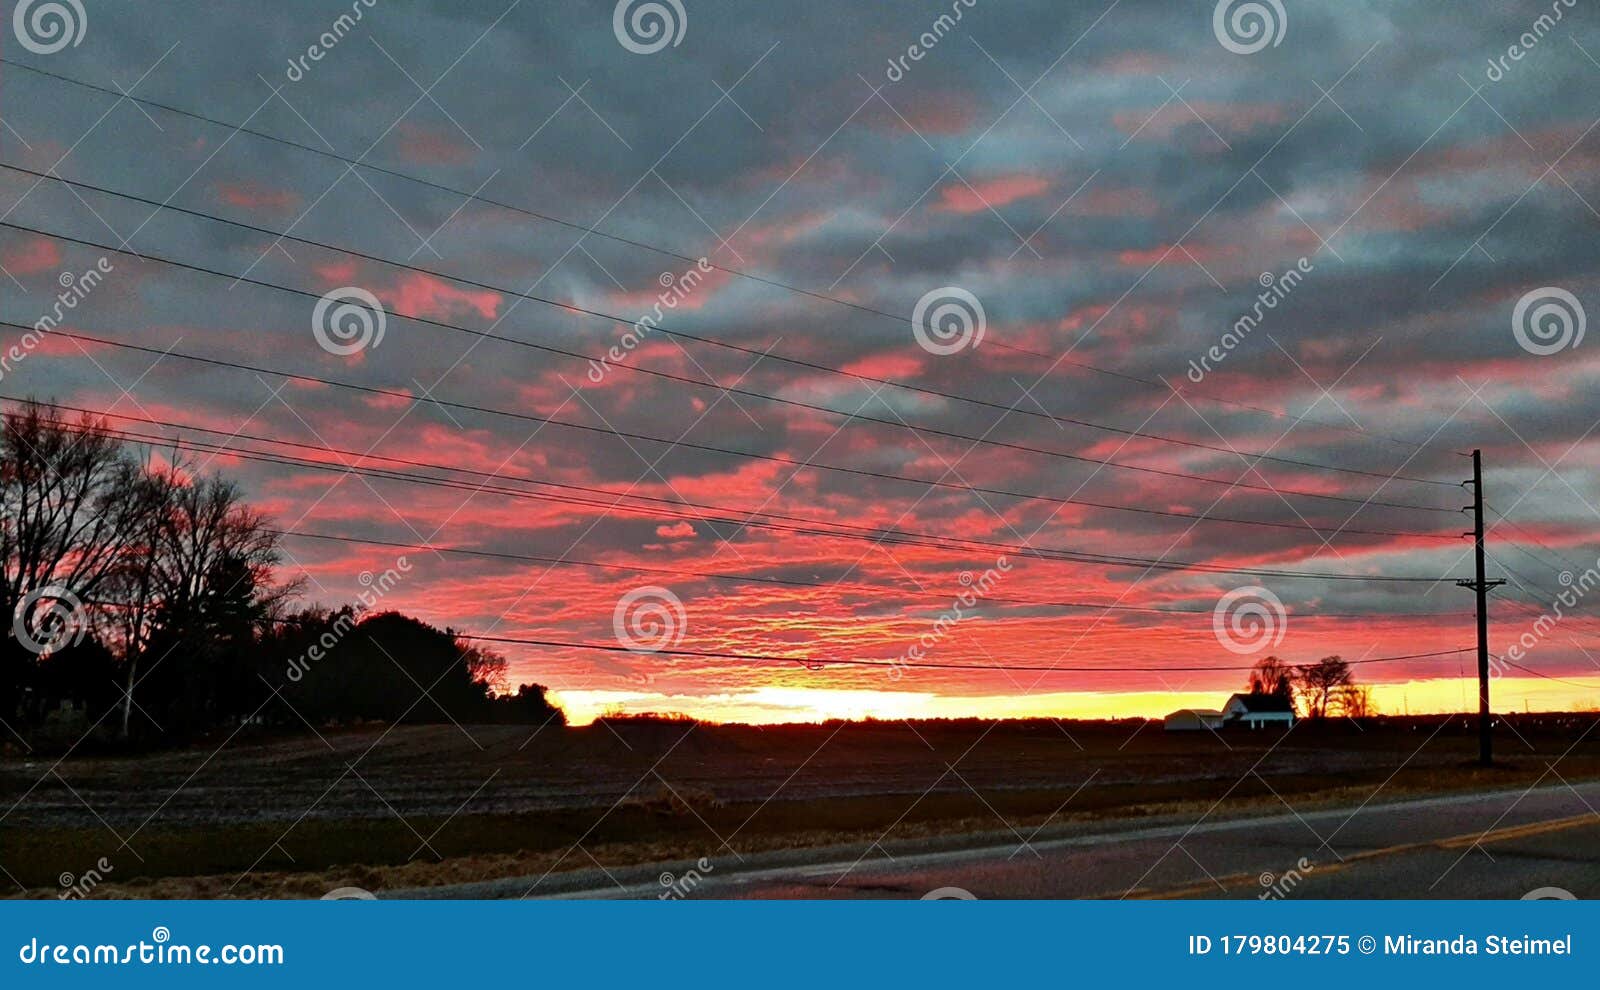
296, 650
1321, 681
173, 578
1272, 676
1355, 701
485, 666
211, 581
73, 517
393, 668
529, 706
69, 515
132, 622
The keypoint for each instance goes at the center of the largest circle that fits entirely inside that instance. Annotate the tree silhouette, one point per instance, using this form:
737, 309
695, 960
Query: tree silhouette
1273, 677
74, 514
169, 576
1320, 681
1355, 701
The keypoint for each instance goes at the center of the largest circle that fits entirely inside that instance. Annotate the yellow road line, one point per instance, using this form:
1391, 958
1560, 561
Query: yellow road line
1453, 842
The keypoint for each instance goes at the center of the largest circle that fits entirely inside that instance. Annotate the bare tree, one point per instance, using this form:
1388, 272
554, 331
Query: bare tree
1355, 701
133, 586
1320, 681
69, 511
1272, 676
485, 666
209, 578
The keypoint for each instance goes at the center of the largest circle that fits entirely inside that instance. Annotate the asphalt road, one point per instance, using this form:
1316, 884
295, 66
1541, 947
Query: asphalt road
1505, 844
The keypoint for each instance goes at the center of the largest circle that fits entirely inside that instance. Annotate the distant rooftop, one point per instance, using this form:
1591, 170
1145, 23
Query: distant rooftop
1263, 702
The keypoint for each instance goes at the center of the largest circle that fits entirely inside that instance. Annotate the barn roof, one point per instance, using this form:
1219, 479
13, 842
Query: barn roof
1263, 702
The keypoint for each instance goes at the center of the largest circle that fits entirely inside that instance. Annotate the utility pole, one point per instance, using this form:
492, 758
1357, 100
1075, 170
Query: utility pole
1481, 586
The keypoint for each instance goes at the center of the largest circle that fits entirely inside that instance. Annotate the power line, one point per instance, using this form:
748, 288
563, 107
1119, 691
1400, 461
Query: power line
812, 663
1529, 536
1538, 559
1538, 612
1533, 588
505, 476
893, 537
752, 351
820, 664
1528, 586
825, 586
633, 242
1548, 677
684, 379
611, 431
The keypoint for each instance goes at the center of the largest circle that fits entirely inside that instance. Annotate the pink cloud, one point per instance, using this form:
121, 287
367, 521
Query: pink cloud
961, 197
37, 255
337, 272
1114, 202
423, 295
252, 196
1174, 254
426, 147
931, 112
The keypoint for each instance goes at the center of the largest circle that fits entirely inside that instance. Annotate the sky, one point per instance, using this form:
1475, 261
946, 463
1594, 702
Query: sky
939, 299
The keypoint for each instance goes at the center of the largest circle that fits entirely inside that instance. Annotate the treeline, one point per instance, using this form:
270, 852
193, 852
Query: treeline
144, 600
1320, 689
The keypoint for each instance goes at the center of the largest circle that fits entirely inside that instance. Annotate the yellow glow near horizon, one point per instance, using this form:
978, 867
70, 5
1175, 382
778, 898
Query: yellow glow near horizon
781, 705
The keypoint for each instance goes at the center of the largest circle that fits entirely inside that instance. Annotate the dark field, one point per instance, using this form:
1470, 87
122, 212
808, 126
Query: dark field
422, 805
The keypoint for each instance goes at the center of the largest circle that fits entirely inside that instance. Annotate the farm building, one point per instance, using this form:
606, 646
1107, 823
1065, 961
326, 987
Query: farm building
1193, 720
1251, 711
1257, 710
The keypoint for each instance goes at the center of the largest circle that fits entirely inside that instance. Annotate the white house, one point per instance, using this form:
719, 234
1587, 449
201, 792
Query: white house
1257, 710
1246, 710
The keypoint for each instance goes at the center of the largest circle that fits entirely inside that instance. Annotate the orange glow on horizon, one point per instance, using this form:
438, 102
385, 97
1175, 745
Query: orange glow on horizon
788, 705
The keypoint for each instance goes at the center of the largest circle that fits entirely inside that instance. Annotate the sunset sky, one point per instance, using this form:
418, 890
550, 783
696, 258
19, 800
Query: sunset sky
1112, 183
